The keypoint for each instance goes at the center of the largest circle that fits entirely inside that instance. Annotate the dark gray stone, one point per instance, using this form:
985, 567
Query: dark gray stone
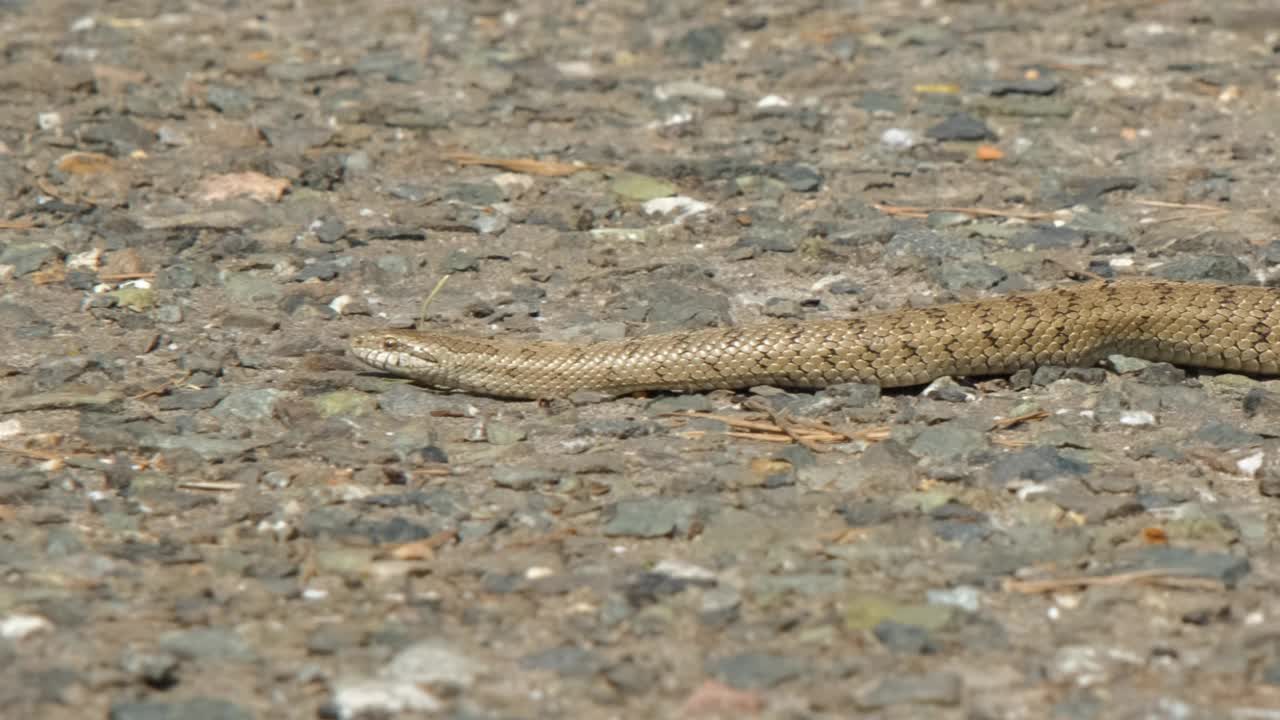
928, 689
1217, 268
960, 126
461, 261
1223, 435
27, 257
1039, 463
521, 477
1043, 85
700, 45
905, 639
968, 275
229, 101
1047, 237
799, 178
566, 661
948, 442
194, 709
207, 644
248, 405
651, 518
193, 399
757, 670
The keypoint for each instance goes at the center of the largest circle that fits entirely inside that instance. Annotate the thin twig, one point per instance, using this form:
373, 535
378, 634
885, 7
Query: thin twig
910, 211
1159, 576
422, 312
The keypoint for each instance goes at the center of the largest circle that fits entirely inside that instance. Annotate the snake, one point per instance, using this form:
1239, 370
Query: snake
1195, 324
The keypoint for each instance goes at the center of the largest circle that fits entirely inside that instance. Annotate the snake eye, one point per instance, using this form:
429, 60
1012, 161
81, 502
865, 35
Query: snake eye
390, 343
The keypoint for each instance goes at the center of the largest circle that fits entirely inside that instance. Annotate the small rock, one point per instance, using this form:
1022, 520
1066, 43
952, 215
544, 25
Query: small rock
783, 308
349, 403
757, 670
207, 644
461, 261
26, 258
905, 639
434, 664
641, 188
249, 405
651, 518
566, 661
1217, 268
960, 126
928, 689
497, 432
1225, 436
700, 45
799, 178
1043, 85
1040, 463
522, 477
193, 709
156, 669
967, 275
948, 442
946, 389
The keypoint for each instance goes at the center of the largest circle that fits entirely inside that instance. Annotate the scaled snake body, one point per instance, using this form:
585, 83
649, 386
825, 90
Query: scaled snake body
1231, 327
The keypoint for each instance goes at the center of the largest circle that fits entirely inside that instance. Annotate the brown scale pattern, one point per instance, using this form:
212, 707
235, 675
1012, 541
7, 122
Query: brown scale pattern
1198, 324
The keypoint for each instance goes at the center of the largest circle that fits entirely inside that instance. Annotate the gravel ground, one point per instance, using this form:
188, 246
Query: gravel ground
209, 512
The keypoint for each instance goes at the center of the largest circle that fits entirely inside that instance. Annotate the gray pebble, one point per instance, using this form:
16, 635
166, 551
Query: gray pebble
697, 402
757, 670
157, 669
461, 261
782, 308
798, 177
905, 639
1225, 436
960, 126
1038, 463
168, 314
194, 709
229, 101
330, 230
207, 644
651, 518
248, 404
699, 45
520, 477
1043, 85
967, 275
192, 399
1218, 268
948, 442
769, 238
939, 688
405, 401
1048, 238
26, 258
566, 661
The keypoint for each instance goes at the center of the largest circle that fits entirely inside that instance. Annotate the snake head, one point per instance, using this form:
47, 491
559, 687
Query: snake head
394, 352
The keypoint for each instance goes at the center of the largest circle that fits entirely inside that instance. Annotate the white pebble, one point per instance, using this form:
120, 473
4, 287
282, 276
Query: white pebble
898, 139
1137, 418
1250, 464
16, 627
683, 206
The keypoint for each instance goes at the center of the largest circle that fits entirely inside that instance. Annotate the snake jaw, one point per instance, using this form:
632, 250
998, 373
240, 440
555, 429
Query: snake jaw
390, 353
